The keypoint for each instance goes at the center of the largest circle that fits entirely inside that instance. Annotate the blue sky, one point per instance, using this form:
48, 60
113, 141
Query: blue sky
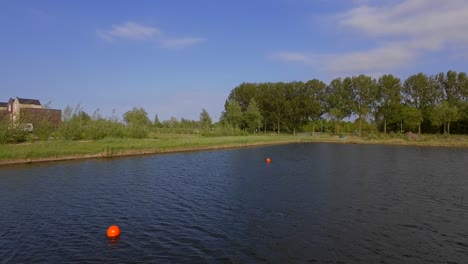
174, 58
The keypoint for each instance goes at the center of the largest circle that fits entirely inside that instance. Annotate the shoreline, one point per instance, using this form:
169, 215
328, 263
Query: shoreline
106, 154
136, 152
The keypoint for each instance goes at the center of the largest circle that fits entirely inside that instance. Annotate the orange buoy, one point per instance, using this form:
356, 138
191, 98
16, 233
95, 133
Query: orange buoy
268, 160
113, 231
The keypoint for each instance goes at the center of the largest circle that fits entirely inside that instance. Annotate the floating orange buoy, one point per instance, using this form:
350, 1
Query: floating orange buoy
113, 231
268, 160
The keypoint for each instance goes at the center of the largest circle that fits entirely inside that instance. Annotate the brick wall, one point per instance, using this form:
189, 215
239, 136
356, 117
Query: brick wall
37, 116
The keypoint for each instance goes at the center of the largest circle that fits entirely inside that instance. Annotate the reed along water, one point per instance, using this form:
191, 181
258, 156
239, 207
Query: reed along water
316, 202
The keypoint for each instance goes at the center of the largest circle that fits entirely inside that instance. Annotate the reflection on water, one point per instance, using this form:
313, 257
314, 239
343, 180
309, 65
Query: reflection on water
312, 203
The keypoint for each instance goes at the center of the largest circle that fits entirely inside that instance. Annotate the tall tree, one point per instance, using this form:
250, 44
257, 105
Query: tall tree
412, 117
277, 99
304, 102
444, 114
450, 87
233, 114
205, 119
265, 105
420, 92
364, 95
389, 95
462, 82
451, 97
242, 94
156, 122
315, 99
171, 123
338, 100
295, 105
253, 117
137, 117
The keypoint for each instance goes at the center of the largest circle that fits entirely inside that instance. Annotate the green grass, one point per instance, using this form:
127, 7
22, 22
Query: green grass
182, 142
163, 143
413, 140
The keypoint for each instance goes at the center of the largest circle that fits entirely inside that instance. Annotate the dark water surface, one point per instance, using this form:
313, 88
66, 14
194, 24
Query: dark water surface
321, 203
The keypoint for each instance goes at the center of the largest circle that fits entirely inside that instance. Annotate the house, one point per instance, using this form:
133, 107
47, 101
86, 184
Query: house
15, 106
21, 110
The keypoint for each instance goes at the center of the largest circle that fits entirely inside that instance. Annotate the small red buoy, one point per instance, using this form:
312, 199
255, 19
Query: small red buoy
268, 160
113, 231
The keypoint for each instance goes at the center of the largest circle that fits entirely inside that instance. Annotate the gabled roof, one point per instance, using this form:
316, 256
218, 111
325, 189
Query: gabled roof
2, 104
28, 101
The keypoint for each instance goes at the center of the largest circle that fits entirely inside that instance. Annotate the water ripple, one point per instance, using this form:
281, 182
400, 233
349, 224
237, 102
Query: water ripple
316, 203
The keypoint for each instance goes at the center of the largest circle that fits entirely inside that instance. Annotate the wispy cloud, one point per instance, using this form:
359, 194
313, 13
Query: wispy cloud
404, 31
135, 31
181, 43
296, 57
387, 57
130, 30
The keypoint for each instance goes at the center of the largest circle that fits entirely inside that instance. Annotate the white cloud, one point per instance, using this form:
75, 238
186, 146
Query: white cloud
411, 19
295, 57
130, 30
181, 43
404, 31
135, 31
388, 56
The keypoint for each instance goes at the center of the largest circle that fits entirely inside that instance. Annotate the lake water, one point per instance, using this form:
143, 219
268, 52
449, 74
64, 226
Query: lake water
317, 202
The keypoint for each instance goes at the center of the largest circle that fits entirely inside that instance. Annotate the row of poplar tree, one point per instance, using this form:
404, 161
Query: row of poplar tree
421, 103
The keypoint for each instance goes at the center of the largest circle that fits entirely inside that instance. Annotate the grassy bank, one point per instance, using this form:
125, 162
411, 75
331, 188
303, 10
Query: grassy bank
67, 149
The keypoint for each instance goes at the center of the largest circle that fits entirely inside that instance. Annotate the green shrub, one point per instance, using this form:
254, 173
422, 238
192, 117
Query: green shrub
224, 130
31, 138
136, 131
71, 130
176, 130
102, 128
44, 130
10, 133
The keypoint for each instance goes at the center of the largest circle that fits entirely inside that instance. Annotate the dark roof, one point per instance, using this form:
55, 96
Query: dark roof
28, 101
2, 104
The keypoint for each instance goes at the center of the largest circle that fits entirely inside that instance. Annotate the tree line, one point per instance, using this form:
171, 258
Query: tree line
421, 103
